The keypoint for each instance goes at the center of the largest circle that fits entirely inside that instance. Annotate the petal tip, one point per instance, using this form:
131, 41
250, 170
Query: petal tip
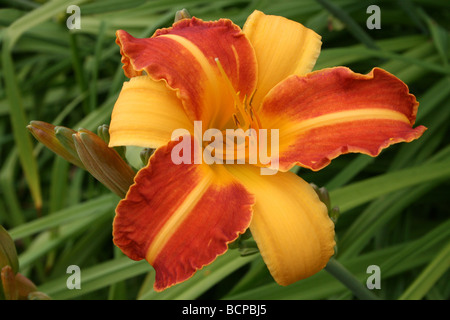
173, 224
122, 38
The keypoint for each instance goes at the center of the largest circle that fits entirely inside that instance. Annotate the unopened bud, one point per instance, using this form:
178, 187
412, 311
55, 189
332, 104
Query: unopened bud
8, 253
104, 163
103, 133
64, 136
324, 196
37, 295
57, 139
182, 14
145, 155
8, 280
334, 214
24, 286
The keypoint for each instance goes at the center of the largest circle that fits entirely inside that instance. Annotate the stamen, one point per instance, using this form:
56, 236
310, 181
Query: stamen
251, 98
254, 116
236, 120
244, 109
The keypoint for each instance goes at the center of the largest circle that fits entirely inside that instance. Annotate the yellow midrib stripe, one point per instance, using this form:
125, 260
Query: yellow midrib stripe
215, 96
344, 116
177, 218
211, 81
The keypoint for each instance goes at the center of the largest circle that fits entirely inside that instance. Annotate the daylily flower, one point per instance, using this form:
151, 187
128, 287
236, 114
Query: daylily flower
181, 217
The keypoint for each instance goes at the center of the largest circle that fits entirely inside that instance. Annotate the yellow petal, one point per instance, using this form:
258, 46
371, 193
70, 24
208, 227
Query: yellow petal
290, 224
186, 55
283, 47
146, 113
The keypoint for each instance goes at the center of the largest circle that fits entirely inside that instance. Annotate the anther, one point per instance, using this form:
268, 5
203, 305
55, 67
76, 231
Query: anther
251, 113
236, 120
251, 98
245, 104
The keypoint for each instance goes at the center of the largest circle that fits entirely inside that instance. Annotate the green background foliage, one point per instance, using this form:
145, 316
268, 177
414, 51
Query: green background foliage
394, 208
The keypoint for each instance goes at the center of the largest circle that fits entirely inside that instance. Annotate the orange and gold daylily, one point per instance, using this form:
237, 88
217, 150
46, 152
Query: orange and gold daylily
181, 217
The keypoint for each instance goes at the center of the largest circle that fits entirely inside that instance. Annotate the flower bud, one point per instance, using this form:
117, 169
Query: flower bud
16, 286
182, 14
103, 133
64, 136
24, 287
334, 214
145, 155
324, 196
58, 139
8, 280
37, 295
104, 163
8, 253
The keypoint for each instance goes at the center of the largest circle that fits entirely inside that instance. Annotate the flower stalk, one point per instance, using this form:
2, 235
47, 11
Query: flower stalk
337, 270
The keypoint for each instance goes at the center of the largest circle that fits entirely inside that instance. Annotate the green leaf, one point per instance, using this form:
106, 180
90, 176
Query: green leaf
19, 123
358, 193
425, 281
74, 213
204, 279
97, 277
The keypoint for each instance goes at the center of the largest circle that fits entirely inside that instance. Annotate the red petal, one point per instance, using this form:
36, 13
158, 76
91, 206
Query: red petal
185, 56
180, 217
335, 111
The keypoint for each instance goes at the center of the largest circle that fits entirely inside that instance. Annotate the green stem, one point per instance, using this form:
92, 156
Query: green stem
338, 271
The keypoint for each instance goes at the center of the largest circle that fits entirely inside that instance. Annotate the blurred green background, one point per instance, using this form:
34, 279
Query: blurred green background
394, 208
